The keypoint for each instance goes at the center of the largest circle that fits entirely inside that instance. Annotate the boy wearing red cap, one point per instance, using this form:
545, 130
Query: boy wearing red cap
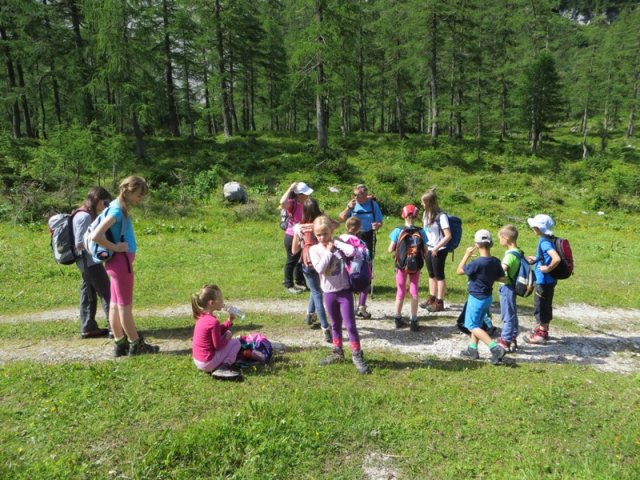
409, 243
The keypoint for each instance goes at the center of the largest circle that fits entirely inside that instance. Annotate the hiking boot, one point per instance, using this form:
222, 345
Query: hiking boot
294, 290
430, 301
310, 318
538, 336
471, 353
398, 321
504, 344
121, 349
513, 348
327, 335
497, 354
337, 356
413, 326
359, 362
362, 312
140, 347
224, 372
437, 306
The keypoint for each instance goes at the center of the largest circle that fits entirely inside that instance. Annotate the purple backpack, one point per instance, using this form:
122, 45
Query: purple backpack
256, 346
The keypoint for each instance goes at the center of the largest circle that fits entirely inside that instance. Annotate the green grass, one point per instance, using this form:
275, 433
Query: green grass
156, 417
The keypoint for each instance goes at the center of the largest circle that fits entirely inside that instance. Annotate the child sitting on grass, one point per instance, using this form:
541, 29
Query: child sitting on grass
328, 258
482, 273
214, 351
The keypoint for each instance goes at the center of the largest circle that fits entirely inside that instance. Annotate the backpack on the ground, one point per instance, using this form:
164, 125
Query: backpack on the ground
525, 279
410, 250
63, 242
255, 347
98, 252
455, 225
359, 266
565, 268
285, 216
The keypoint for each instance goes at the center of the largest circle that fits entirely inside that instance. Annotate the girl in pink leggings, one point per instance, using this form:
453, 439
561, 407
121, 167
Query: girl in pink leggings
409, 243
115, 233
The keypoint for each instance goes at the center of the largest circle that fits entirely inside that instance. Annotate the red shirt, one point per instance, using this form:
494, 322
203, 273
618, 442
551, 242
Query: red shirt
208, 336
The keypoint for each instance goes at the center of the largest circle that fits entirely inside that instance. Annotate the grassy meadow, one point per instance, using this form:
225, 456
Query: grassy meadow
156, 417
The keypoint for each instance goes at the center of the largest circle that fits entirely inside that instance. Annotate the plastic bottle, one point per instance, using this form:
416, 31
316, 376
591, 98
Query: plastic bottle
235, 312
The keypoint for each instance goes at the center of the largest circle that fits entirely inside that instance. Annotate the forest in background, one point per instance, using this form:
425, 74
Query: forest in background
92, 88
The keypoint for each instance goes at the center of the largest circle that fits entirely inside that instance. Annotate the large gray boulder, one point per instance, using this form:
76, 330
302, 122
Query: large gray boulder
234, 192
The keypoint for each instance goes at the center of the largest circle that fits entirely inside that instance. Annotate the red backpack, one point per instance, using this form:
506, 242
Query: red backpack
308, 240
565, 267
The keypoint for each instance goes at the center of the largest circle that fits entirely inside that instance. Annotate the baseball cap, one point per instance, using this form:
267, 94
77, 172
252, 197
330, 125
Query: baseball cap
409, 211
544, 222
483, 236
302, 189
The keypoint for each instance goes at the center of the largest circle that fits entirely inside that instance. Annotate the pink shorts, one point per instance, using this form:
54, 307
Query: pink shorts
120, 270
401, 283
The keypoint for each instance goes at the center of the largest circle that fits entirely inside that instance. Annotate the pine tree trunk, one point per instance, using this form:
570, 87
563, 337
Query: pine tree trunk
172, 104
232, 102
43, 111
504, 95
224, 97
25, 103
137, 131
433, 68
211, 130
634, 100
88, 112
187, 93
321, 112
12, 86
362, 116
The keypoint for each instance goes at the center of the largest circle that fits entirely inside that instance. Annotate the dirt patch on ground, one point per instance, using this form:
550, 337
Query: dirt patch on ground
606, 339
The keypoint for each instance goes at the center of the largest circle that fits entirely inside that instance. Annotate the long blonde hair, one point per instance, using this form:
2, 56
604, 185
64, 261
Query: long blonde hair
199, 300
130, 185
431, 208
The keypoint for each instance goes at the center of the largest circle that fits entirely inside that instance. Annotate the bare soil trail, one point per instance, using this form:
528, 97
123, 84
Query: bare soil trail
606, 339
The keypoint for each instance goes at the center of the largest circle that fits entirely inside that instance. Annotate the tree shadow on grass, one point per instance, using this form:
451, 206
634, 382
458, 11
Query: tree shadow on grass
185, 333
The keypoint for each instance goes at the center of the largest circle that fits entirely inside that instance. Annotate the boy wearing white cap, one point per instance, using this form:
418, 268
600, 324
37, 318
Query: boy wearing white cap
483, 273
544, 262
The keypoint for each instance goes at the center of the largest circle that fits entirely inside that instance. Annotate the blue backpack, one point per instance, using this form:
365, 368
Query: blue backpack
455, 225
525, 280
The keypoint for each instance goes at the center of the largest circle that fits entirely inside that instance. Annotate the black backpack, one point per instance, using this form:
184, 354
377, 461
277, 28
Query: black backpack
410, 250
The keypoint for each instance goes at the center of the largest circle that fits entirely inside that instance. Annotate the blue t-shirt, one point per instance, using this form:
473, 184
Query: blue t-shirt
115, 210
368, 213
544, 245
482, 273
395, 234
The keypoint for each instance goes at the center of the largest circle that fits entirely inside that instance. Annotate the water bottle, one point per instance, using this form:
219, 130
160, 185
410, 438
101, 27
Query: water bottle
235, 312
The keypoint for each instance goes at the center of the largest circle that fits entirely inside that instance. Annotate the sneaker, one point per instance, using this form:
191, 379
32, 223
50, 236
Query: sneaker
436, 306
497, 354
513, 348
359, 362
121, 349
504, 344
337, 356
362, 312
140, 347
398, 321
327, 335
97, 333
471, 353
429, 302
294, 290
413, 326
224, 372
538, 336
310, 318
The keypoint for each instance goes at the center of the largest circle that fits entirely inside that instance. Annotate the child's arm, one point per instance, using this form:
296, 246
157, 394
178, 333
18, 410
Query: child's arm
347, 249
392, 247
555, 261
467, 255
320, 258
284, 200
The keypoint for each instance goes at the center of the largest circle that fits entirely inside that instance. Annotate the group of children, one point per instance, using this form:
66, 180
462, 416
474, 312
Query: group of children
325, 259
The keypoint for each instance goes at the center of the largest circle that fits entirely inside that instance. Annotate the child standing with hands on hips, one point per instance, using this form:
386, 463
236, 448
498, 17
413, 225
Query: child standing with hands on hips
213, 351
328, 259
482, 273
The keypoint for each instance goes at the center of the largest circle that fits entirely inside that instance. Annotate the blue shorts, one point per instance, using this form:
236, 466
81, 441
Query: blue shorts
477, 310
